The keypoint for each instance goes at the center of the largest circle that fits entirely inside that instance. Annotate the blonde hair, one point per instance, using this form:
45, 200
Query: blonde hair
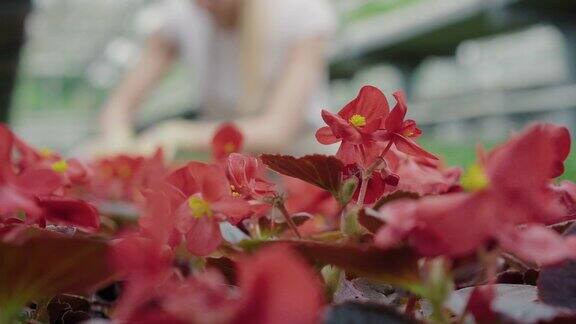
252, 46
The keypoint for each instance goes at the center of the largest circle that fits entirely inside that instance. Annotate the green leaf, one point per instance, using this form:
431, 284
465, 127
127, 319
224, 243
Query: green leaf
347, 190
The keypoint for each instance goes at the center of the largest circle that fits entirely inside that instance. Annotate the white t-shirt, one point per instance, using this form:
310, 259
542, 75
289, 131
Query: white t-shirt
212, 53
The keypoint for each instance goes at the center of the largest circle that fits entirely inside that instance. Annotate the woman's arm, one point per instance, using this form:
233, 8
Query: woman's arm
117, 119
275, 127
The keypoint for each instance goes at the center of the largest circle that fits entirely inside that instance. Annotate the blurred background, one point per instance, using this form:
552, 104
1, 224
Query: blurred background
473, 70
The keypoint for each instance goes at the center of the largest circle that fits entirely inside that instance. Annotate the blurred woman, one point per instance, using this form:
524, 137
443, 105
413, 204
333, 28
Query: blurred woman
259, 63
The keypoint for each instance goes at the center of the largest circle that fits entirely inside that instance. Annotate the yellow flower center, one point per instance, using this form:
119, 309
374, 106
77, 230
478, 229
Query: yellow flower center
234, 192
357, 120
60, 166
229, 147
199, 207
475, 179
408, 133
124, 171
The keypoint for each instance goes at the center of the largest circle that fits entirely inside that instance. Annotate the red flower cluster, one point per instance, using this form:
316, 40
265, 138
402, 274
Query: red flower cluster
37, 187
226, 241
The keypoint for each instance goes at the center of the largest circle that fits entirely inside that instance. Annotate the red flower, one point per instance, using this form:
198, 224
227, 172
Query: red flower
145, 265
303, 197
278, 287
423, 176
69, 211
246, 175
19, 190
205, 298
228, 139
157, 219
508, 190
123, 176
379, 183
72, 170
274, 286
565, 194
209, 201
355, 124
397, 130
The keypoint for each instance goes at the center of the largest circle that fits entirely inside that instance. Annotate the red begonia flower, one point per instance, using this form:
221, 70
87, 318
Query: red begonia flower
19, 190
209, 201
123, 177
145, 265
70, 212
278, 287
303, 197
421, 175
157, 219
509, 190
246, 175
72, 170
565, 194
274, 286
228, 139
399, 131
355, 124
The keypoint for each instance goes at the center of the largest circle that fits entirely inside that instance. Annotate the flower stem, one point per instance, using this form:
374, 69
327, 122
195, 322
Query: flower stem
279, 203
363, 188
366, 174
411, 306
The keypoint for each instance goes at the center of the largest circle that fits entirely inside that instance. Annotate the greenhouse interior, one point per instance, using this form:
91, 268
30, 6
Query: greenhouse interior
287, 161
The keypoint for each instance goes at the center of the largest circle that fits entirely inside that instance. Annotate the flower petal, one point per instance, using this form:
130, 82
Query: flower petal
203, 237
325, 136
411, 148
233, 209
394, 121
370, 103
537, 243
341, 128
68, 211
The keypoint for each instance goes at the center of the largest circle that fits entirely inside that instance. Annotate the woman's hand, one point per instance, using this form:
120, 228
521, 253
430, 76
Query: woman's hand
166, 135
103, 146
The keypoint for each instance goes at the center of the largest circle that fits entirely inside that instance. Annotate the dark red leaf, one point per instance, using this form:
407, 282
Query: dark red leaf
320, 170
395, 266
396, 195
37, 263
371, 223
226, 266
